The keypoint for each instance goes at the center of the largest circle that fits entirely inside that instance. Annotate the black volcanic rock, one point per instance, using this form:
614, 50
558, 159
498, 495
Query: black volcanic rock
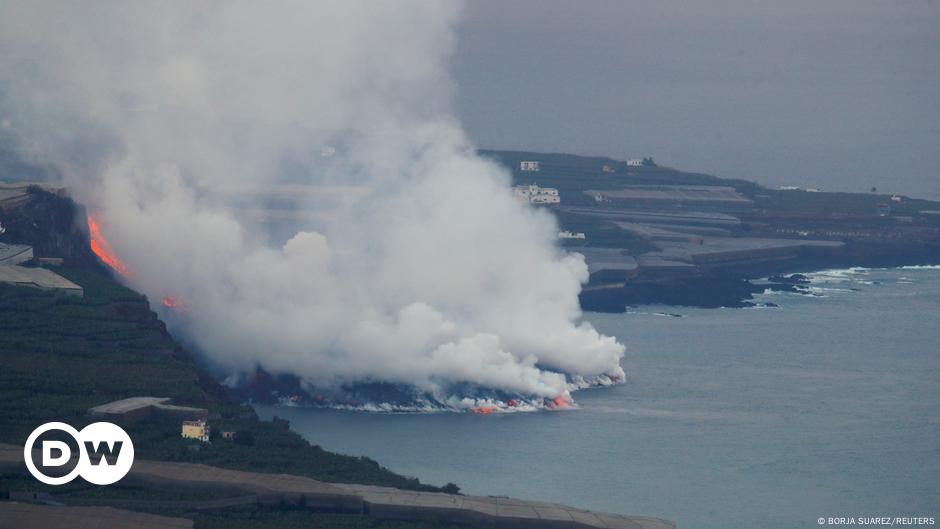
55, 226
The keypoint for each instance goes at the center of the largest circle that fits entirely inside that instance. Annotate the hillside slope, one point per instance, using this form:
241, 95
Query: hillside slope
63, 355
653, 234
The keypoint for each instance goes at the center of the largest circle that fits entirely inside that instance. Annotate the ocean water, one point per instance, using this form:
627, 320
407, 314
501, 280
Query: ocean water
828, 405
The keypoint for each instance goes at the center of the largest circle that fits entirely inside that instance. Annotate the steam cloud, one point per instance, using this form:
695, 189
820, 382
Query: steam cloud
406, 259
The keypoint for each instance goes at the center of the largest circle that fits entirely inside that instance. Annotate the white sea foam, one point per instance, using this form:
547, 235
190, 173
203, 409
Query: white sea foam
920, 267
664, 314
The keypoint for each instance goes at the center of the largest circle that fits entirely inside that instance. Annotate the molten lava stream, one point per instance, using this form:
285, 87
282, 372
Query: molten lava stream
173, 302
101, 248
560, 402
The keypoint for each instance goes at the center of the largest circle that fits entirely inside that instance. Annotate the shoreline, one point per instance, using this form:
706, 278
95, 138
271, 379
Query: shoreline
729, 288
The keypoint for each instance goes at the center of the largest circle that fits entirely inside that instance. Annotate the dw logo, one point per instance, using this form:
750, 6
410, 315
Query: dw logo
105, 453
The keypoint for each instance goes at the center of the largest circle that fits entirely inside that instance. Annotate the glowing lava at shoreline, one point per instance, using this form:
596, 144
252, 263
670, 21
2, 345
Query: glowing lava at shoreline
102, 249
560, 402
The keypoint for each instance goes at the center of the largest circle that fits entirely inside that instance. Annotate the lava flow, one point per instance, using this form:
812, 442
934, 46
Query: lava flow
102, 249
173, 302
560, 402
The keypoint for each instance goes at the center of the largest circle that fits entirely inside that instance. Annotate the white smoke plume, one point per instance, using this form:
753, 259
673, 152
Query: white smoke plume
408, 261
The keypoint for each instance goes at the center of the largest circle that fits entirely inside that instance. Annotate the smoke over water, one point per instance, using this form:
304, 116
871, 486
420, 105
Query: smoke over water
292, 174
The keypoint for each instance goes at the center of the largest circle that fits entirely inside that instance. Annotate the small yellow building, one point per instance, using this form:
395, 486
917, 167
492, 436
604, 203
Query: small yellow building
196, 430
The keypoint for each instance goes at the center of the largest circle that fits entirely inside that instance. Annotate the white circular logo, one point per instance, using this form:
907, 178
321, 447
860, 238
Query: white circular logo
105, 453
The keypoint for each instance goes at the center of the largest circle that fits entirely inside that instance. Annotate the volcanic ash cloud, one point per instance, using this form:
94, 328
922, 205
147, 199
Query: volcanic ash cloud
405, 259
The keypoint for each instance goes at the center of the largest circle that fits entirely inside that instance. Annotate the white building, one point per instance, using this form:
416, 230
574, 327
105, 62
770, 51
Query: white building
634, 162
533, 194
530, 166
196, 430
570, 234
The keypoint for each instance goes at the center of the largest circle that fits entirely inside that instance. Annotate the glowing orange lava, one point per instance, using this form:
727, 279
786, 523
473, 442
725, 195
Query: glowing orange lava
560, 402
483, 410
173, 302
102, 249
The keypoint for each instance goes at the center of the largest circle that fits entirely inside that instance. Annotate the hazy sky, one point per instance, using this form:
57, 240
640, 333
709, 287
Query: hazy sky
834, 94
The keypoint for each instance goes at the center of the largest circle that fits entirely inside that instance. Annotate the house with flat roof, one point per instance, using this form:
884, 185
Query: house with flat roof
529, 166
533, 194
198, 430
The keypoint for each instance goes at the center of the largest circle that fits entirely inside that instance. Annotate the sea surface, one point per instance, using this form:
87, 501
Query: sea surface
825, 406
